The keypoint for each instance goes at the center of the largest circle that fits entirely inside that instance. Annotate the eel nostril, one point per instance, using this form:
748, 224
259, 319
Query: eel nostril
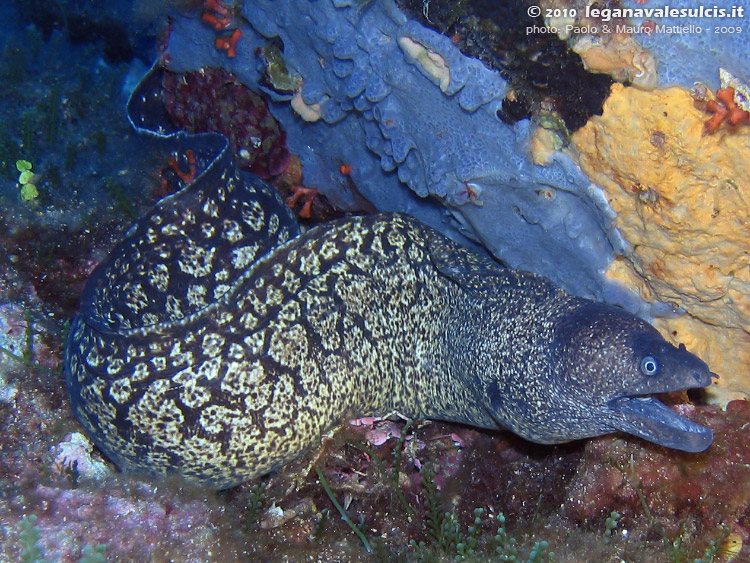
703, 377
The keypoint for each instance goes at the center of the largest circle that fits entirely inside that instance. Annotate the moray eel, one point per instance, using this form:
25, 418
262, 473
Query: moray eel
219, 342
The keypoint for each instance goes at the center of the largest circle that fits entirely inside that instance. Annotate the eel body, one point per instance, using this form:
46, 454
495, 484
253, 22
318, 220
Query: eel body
218, 341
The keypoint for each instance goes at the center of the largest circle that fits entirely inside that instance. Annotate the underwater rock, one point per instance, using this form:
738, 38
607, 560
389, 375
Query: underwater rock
620, 56
73, 456
681, 198
97, 22
656, 490
690, 48
545, 76
417, 122
607, 46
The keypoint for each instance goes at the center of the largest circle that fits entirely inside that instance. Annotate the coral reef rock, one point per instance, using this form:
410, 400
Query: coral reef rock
661, 493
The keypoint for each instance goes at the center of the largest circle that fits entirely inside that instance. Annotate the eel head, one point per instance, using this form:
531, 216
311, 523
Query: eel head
611, 363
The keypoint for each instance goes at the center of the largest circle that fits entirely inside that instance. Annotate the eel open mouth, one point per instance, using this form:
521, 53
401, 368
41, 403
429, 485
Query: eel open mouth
651, 420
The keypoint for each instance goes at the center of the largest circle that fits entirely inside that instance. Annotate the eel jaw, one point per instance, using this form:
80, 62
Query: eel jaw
651, 420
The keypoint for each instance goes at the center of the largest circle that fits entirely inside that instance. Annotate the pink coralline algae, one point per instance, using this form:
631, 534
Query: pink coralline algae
212, 99
136, 522
663, 491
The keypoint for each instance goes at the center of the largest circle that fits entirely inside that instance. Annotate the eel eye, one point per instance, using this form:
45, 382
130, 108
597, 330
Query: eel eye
649, 365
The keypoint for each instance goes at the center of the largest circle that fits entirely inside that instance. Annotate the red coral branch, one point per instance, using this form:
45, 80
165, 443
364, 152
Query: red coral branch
188, 176
724, 108
219, 23
229, 44
220, 17
215, 6
307, 195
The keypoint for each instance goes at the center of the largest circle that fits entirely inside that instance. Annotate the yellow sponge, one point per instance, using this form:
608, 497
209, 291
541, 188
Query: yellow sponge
683, 203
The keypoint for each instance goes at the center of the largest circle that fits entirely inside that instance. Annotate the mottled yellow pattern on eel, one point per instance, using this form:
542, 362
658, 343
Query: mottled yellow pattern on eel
219, 343
253, 379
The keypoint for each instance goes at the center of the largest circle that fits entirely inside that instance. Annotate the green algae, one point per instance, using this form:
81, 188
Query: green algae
30, 537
